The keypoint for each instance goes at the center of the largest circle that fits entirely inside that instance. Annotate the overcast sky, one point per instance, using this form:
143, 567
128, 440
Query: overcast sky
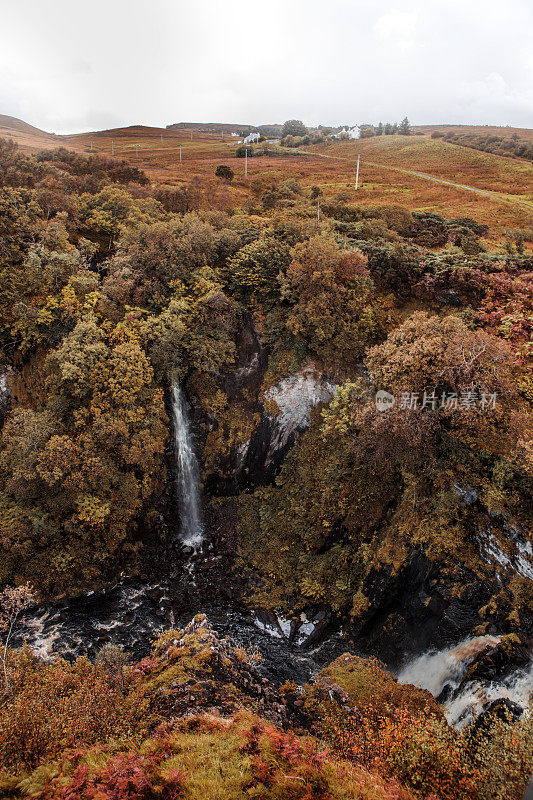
67, 65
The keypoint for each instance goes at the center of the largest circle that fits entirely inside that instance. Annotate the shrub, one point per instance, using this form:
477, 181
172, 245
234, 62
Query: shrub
241, 151
55, 706
224, 172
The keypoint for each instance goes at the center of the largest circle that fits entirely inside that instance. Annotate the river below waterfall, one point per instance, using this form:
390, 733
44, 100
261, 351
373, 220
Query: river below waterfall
133, 614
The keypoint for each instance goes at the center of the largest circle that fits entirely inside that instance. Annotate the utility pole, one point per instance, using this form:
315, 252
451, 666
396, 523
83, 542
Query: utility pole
112, 147
245, 161
191, 136
357, 174
180, 153
91, 147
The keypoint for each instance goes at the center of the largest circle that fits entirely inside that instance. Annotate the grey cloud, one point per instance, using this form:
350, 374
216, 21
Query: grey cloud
163, 61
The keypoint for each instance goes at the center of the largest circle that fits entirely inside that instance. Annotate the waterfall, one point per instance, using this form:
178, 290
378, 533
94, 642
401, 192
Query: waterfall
188, 477
435, 670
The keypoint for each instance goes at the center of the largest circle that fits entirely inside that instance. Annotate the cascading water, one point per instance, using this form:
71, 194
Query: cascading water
188, 473
436, 670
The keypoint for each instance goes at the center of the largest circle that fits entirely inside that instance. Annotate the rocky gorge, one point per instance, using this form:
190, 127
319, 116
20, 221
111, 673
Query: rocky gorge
415, 616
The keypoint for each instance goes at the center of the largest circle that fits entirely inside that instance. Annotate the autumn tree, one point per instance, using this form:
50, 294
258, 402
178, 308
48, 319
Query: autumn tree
13, 602
257, 269
442, 353
94, 454
334, 310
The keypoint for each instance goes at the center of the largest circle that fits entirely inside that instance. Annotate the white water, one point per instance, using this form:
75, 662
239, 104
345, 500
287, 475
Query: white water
188, 473
469, 702
434, 670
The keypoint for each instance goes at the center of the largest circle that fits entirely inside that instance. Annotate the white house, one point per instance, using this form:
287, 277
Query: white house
252, 137
348, 133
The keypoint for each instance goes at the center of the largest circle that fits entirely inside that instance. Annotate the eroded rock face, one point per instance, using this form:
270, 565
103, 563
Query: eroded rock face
507, 549
295, 396
419, 607
285, 414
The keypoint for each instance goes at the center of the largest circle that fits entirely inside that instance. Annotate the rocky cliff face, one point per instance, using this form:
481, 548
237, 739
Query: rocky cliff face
247, 449
285, 413
426, 604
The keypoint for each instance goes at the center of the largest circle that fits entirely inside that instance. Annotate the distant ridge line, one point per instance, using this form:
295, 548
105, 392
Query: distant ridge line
224, 127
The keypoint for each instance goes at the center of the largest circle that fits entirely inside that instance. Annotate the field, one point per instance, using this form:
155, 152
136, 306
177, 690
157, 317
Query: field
332, 167
387, 173
480, 130
388, 164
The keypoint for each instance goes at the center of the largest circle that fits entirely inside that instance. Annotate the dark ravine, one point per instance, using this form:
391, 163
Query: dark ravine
477, 675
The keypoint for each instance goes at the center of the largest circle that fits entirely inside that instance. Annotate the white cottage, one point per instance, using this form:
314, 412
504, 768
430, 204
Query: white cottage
252, 137
349, 133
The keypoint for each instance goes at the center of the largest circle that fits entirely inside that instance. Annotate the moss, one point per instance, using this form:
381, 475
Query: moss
367, 683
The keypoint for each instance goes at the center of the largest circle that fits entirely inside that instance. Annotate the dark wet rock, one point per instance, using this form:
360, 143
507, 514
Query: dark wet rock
497, 661
446, 694
468, 494
501, 709
264, 455
419, 608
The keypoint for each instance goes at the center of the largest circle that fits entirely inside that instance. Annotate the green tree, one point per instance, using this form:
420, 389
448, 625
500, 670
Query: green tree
256, 270
293, 127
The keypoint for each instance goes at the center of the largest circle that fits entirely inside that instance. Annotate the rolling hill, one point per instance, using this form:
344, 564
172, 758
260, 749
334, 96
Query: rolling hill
26, 136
